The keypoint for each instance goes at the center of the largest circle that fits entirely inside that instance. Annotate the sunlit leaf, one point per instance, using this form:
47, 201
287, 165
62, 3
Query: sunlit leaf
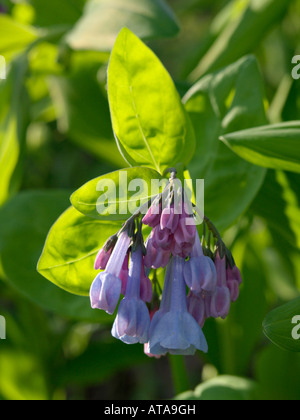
150, 123
116, 196
71, 248
272, 146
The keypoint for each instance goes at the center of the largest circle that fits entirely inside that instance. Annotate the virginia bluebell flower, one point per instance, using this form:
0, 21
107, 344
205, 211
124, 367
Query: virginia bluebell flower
106, 288
176, 331
199, 271
233, 281
173, 325
221, 299
133, 320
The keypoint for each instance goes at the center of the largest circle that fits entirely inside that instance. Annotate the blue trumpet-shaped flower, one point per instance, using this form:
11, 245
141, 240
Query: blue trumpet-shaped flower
106, 289
173, 329
133, 320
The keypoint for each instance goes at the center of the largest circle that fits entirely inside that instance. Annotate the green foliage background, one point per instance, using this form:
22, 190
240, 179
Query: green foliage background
231, 62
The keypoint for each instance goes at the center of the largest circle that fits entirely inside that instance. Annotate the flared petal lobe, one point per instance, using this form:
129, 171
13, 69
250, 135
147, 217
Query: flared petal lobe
105, 292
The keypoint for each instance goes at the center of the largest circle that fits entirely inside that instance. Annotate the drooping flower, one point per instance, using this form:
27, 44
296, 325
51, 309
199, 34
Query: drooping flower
169, 219
155, 258
133, 320
106, 288
152, 217
221, 299
102, 259
176, 331
199, 271
233, 281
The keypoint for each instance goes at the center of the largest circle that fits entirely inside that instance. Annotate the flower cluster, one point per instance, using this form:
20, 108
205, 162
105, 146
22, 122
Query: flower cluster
201, 279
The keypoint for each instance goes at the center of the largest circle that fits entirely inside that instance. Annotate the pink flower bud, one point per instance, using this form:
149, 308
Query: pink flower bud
102, 259
220, 303
169, 220
152, 217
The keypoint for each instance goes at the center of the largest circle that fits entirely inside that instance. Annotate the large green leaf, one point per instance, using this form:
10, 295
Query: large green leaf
272, 146
218, 104
71, 248
223, 388
116, 196
149, 120
24, 223
13, 118
281, 326
242, 34
103, 19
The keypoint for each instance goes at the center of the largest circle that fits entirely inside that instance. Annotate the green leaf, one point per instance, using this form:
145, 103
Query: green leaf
150, 123
116, 196
272, 146
220, 103
13, 119
71, 248
14, 37
103, 19
223, 388
282, 328
82, 109
243, 33
24, 223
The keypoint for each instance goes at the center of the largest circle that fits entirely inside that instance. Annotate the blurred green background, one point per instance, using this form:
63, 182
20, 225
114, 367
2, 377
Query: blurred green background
55, 134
